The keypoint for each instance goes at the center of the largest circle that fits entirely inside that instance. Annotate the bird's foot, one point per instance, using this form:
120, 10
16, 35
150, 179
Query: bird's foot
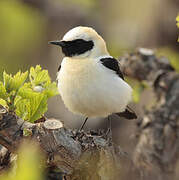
78, 134
108, 135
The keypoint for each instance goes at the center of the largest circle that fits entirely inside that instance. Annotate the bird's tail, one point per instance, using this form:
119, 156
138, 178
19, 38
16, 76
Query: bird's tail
128, 114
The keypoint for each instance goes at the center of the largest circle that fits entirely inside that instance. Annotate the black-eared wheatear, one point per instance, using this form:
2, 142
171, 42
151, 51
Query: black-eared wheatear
90, 81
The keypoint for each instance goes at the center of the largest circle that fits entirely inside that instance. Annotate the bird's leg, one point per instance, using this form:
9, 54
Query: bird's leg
109, 131
83, 124
79, 130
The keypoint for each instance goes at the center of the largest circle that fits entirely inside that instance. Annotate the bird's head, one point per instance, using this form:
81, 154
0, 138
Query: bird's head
82, 42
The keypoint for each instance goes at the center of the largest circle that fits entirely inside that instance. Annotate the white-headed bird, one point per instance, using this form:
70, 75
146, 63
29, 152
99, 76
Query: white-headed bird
90, 81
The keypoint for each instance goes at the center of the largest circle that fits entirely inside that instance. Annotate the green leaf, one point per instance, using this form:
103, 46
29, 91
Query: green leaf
23, 108
8, 81
28, 100
19, 79
27, 132
32, 105
14, 82
38, 106
3, 103
41, 82
38, 76
51, 90
3, 94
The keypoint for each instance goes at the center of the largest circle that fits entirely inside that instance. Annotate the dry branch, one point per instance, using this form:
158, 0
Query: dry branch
157, 150
77, 155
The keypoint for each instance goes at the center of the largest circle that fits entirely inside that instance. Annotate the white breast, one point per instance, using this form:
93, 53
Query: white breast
89, 88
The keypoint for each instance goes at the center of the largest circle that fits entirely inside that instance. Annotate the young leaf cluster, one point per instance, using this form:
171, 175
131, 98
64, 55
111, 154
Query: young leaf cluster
27, 93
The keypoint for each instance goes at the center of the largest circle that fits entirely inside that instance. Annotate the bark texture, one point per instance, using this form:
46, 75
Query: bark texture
78, 156
157, 150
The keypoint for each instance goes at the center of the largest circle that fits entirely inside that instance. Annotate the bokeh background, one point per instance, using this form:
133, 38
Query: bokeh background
26, 26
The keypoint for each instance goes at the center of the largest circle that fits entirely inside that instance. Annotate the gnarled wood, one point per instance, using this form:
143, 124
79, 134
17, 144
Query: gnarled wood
77, 155
157, 150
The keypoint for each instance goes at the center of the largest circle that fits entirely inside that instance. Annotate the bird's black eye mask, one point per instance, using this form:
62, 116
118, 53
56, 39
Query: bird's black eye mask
75, 47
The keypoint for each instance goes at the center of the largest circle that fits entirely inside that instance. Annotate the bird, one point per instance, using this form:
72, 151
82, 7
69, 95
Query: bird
90, 80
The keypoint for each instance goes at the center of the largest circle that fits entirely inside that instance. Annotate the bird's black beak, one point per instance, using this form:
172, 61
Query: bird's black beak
58, 43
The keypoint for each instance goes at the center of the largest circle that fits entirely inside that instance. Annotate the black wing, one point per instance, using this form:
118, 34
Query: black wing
112, 64
59, 67
128, 114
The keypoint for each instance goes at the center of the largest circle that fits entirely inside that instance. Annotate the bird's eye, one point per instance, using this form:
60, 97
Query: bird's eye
79, 41
76, 47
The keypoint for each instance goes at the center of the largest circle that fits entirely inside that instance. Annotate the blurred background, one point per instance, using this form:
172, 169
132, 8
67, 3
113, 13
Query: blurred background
26, 26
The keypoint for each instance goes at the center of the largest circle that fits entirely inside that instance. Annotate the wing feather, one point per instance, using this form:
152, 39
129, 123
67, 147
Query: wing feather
112, 64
